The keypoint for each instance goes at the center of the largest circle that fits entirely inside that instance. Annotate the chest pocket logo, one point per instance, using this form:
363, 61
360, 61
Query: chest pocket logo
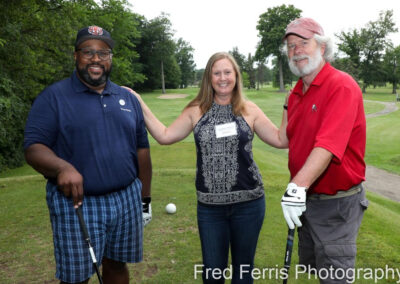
314, 108
123, 103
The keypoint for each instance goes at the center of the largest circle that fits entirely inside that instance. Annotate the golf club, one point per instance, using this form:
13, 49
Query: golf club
288, 253
87, 239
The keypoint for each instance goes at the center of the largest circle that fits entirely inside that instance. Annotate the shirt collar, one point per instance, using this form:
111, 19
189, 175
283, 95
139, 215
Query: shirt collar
321, 76
318, 80
80, 87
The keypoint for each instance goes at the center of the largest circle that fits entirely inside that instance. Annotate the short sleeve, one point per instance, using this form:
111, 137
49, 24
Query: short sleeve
141, 132
41, 125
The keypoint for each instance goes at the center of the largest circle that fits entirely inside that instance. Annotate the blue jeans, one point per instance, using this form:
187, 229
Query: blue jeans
237, 226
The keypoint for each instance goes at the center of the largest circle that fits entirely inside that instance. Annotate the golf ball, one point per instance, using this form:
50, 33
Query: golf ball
170, 208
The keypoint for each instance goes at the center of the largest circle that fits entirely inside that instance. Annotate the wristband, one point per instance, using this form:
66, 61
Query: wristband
146, 199
285, 107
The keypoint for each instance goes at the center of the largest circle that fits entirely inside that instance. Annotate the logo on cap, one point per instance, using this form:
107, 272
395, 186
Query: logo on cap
95, 30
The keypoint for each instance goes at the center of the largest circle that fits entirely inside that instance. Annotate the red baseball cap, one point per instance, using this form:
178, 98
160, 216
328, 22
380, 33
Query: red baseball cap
304, 27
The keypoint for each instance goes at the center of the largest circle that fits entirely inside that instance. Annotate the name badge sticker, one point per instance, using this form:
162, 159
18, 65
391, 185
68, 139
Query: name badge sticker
225, 130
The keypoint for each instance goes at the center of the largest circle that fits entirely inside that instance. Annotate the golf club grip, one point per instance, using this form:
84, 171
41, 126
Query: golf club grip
86, 236
288, 252
82, 223
289, 247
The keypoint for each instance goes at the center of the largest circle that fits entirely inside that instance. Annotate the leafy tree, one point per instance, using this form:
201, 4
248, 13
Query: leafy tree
156, 48
38, 49
199, 76
392, 66
240, 58
365, 47
289, 76
184, 58
348, 66
245, 79
271, 28
350, 46
12, 110
114, 16
249, 68
263, 74
246, 66
35, 51
172, 73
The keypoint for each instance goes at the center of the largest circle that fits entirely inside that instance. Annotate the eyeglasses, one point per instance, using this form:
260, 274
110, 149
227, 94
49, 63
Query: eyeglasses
104, 54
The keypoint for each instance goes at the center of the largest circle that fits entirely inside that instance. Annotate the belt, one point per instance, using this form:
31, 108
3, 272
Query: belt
342, 193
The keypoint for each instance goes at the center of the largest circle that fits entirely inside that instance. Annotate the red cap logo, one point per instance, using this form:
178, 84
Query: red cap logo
95, 30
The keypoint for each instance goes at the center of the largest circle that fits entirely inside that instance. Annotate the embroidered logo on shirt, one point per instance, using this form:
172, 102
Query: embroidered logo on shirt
121, 102
314, 108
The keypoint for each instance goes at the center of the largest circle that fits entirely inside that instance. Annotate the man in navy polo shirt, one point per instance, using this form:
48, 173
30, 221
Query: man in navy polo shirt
87, 136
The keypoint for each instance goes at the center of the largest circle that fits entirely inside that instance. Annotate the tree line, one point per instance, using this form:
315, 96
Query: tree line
367, 53
37, 44
36, 49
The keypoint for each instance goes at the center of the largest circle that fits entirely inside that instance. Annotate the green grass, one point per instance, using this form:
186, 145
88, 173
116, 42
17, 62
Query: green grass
25, 170
383, 94
371, 107
383, 135
383, 142
171, 242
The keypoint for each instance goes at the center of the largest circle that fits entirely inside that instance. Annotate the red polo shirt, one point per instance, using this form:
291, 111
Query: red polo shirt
329, 115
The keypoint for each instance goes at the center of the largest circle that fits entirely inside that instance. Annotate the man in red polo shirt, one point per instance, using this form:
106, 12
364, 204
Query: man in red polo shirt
326, 131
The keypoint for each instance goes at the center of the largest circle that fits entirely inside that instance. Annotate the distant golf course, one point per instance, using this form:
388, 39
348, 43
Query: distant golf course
171, 241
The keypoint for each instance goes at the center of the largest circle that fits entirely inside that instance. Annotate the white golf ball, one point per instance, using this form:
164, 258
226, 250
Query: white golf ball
170, 208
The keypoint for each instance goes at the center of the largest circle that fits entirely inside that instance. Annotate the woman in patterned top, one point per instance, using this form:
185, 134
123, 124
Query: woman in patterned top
231, 204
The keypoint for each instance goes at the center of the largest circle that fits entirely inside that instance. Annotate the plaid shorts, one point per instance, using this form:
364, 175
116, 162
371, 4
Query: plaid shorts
114, 223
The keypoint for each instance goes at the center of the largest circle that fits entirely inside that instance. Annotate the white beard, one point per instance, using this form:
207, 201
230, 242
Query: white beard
313, 63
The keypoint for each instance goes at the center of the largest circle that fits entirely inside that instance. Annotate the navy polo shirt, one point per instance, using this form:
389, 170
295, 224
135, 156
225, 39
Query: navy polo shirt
99, 134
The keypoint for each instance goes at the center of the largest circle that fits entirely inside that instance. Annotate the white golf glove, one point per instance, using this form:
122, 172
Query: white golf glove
146, 202
293, 204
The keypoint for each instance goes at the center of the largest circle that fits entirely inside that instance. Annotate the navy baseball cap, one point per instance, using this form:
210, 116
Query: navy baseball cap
93, 32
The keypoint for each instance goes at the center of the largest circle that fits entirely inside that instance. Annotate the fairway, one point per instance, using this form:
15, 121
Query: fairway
171, 241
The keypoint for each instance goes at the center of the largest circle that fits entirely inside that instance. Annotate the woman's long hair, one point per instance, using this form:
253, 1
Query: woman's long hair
205, 97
